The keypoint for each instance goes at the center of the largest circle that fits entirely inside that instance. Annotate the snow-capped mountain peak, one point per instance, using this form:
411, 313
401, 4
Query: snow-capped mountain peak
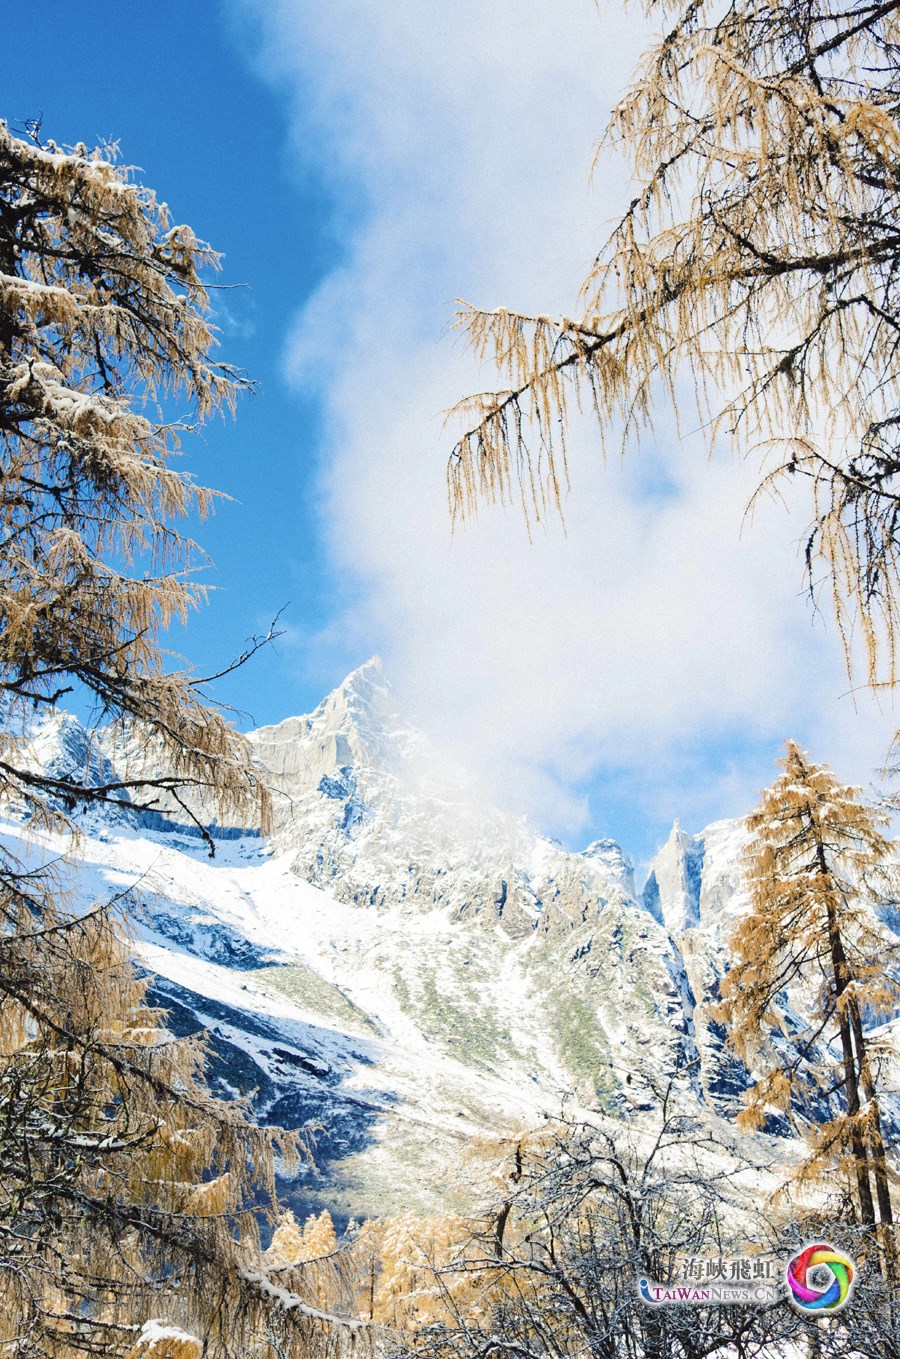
399, 957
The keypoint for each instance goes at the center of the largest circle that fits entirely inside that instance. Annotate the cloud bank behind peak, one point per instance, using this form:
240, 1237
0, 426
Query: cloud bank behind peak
650, 659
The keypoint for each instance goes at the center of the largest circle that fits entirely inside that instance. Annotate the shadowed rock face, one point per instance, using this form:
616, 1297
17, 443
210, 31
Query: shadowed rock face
672, 890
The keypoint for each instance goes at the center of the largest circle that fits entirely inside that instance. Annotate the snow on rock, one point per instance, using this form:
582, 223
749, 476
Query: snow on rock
615, 862
363, 809
672, 890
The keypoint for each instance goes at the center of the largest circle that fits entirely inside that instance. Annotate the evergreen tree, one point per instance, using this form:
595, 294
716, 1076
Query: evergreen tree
811, 946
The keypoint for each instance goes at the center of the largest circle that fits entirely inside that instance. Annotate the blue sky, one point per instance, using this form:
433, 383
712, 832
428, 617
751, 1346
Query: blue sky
360, 165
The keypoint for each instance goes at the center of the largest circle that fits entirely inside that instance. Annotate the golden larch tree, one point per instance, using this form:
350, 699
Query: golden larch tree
752, 283
103, 319
130, 1199
813, 967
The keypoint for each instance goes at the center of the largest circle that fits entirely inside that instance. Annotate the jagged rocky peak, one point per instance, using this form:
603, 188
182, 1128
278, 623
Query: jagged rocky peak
356, 725
363, 706
672, 890
723, 887
406, 921
370, 810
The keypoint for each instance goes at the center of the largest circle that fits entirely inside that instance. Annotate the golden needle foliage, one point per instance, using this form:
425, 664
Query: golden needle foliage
813, 968
126, 1189
103, 318
756, 268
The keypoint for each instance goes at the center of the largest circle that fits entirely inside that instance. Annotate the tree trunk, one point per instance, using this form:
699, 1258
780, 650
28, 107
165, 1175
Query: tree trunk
876, 1142
841, 982
879, 1158
506, 1207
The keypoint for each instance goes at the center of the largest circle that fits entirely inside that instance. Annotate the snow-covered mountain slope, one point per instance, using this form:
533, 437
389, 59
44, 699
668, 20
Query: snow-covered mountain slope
536, 944
404, 969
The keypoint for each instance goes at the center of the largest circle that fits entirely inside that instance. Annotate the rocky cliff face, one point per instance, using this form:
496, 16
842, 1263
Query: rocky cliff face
363, 810
672, 890
695, 887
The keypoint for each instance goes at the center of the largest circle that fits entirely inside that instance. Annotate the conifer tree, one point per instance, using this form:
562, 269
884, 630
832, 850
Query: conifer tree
753, 277
292, 1244
432, 1270
130, 1198
813, 966
314, 1245
127, 1192
103, 320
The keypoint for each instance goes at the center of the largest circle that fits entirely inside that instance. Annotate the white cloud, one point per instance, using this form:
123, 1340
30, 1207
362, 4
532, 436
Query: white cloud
652, 640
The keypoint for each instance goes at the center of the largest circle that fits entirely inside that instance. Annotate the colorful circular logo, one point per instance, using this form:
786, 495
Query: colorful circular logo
804, 1294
